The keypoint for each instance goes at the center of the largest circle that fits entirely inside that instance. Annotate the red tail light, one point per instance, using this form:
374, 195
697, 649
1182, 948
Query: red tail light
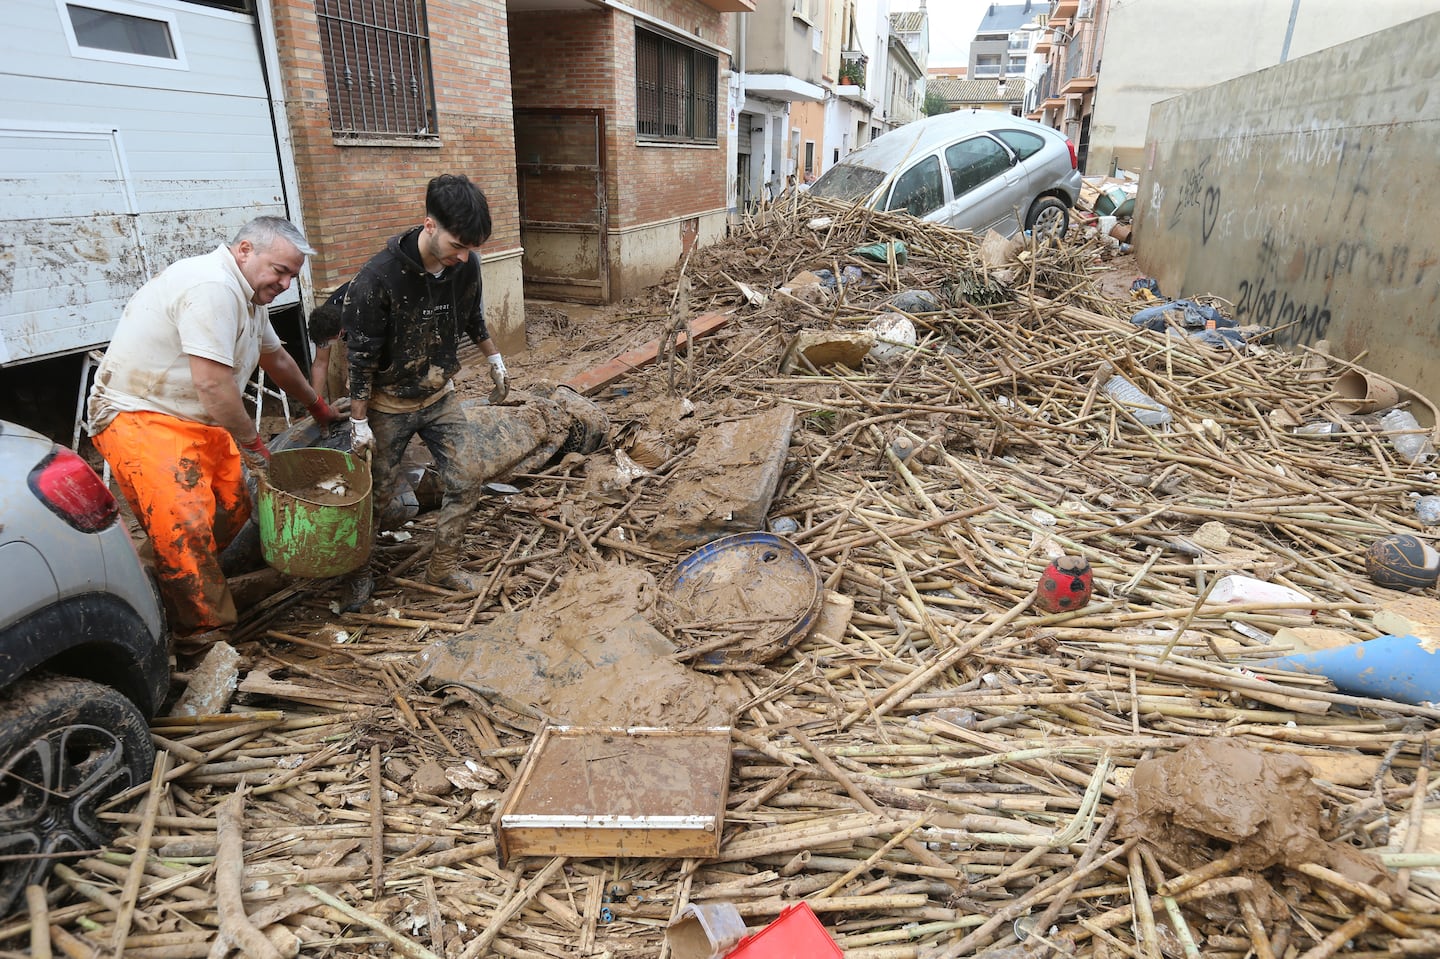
66, 483
1074, 160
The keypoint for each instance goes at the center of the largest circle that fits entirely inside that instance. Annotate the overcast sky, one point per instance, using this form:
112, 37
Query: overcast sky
952, 26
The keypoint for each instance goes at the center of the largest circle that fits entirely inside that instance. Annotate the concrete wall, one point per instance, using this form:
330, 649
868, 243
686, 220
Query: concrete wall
641, 256
1157, 49
1305, 194
780, 38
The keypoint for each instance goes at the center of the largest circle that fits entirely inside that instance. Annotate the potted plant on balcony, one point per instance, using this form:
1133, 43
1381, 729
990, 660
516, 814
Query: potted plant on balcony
851, 74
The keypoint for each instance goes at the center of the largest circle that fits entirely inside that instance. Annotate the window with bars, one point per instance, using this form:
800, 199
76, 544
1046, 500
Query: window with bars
675, 90
377, 67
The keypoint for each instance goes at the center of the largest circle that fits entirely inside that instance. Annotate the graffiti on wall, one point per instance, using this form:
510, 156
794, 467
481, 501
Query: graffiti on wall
1303, 251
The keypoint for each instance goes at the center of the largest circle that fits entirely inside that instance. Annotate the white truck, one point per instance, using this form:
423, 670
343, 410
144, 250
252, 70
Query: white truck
132, 133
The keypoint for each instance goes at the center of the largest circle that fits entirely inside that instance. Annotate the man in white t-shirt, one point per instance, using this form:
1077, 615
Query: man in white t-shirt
167, 408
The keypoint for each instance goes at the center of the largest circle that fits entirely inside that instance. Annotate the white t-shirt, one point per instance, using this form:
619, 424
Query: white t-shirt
198, 306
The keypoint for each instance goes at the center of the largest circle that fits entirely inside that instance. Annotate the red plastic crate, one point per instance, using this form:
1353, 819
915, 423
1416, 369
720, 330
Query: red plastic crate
796, 934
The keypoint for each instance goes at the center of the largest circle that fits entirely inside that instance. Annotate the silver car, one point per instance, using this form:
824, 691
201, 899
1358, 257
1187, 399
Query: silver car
974, 170
84, 658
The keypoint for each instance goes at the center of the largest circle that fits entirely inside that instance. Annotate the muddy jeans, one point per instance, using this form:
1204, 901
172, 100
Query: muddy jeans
454, 443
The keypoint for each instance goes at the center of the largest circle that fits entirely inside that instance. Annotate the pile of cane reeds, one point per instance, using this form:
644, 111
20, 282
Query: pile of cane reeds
939, 779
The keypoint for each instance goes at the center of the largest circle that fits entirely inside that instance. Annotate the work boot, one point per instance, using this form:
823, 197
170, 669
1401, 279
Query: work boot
199, 642
186, 651
444, 570
355, 590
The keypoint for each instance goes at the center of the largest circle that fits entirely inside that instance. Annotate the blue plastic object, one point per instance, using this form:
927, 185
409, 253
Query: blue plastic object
1397, 668
1193, 316
851, 274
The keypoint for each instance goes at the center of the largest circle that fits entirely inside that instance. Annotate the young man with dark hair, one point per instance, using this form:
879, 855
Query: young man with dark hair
403, 316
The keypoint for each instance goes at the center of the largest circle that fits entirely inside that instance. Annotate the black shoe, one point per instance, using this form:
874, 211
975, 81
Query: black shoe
355, 590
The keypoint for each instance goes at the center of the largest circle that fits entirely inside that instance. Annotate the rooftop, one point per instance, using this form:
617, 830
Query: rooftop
1007, 17
978, 90
910, 21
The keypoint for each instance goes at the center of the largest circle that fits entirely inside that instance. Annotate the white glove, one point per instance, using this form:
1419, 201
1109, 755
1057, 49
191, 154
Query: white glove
499, 378
361, 437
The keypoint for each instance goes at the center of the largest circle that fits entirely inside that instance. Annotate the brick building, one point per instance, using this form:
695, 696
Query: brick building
597, 129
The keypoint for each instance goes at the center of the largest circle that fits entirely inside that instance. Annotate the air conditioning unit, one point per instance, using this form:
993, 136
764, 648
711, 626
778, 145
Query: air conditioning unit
1087, 10
1072, 108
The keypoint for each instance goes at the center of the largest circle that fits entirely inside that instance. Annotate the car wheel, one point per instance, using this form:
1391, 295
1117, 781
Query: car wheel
1048, 218
67, 746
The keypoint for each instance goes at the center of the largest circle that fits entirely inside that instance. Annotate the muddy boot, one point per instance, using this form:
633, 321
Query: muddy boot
444, 570
355, 590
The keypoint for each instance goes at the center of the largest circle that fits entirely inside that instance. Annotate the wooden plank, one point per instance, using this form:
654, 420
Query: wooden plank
611, 370
655, 842
618, 791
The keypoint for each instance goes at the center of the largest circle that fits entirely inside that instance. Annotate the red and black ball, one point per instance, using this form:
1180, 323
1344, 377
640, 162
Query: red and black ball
1065, 585
1402, 561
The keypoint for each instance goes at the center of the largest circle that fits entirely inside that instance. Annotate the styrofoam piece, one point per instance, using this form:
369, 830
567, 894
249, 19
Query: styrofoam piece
705, 931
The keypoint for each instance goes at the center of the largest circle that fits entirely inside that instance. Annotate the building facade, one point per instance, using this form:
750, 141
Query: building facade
1238, 37
1071, 43
1001, 45
599, 133
782, 63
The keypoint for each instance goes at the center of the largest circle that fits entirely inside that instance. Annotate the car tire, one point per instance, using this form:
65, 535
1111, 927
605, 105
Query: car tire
1048, 218
67, 746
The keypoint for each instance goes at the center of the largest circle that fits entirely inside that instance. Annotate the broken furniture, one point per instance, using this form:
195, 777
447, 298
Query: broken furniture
613, 791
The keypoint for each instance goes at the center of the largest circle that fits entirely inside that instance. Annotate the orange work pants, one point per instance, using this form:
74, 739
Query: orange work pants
184, 482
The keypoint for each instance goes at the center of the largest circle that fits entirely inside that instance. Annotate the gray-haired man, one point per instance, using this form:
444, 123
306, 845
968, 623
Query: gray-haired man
167, 410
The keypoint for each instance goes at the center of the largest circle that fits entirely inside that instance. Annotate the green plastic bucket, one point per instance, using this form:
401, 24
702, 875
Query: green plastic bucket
313, 511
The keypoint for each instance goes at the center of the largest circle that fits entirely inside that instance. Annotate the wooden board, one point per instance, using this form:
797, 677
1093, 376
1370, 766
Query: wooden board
611, 370
589, 791
727, 482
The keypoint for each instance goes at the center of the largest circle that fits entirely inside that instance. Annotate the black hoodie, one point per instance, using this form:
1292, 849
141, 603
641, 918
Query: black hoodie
403, 325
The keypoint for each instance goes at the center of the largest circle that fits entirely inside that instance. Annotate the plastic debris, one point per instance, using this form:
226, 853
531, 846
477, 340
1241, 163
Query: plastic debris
880, 252
894, 336
915, 301
1405, 669
1146, 410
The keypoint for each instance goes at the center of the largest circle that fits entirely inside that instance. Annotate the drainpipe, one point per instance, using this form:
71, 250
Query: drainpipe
284, 147
1290, 30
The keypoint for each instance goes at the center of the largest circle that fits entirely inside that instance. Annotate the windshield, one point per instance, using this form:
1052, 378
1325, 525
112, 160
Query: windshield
847, 181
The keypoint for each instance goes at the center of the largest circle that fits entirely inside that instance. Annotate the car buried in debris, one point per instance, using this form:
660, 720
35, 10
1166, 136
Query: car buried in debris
976, 170
84, 659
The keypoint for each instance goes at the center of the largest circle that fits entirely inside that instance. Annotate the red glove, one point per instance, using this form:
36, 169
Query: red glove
322, 411
255, 454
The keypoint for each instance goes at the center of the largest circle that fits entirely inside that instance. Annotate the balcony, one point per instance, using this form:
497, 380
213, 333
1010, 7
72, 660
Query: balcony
1063, 8
852, 69
1079, 75
730, 6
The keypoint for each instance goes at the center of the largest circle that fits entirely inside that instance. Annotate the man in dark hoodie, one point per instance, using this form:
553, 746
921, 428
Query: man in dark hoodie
403, 316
